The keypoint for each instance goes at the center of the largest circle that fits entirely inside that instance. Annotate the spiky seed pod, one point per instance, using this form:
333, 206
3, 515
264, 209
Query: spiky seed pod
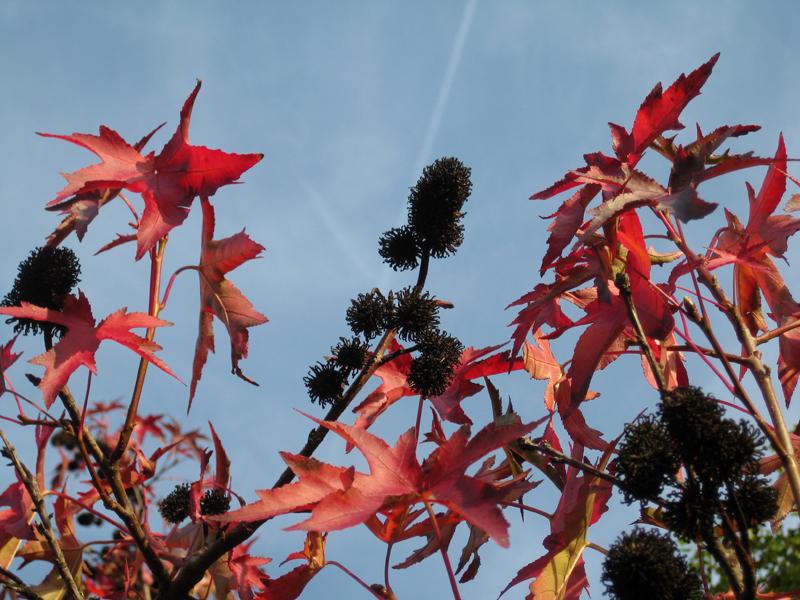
85, 519
734, 448
415, 314
399, 248
432, 371
646, 564
718, 449
693, 510
435, 204
174, 507
756, 498
691, 417
44, 278
214, 502
646, 461
62, 438
369, 314
325, 382
350, 353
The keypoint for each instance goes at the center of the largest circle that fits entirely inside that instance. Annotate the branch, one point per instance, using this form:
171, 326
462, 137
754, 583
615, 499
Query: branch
46, 525
781, 442
15, 584
623, 283
154, 307
195, 567
120, 504
557, 456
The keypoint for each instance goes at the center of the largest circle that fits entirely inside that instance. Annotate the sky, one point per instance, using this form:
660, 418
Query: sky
348, 101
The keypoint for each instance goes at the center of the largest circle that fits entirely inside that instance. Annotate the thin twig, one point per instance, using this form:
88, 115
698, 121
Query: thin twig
560, 457
120, 504
443, 550
15, 584
760, 371
154, 308
46, 525
778, 331
355, 578
624, 286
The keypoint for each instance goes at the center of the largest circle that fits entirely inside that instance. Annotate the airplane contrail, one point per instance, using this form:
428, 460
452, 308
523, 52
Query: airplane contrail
456, 53
453, 63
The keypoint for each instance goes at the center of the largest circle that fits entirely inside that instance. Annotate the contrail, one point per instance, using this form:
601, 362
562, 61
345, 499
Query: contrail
456, 52
335, 227
447, 84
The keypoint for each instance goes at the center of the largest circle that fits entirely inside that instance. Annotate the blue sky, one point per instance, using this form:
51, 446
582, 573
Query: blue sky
348, 101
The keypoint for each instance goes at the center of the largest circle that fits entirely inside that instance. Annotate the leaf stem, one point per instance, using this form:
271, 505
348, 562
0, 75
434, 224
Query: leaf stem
443, 551
154, 308
355, 577
624, 285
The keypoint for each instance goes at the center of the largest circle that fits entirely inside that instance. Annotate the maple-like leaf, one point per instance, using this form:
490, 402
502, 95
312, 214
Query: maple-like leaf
246, 570
559, 573
749, 247
341, 498
290, 585
168, 182
83, 337
566, 222
220, 297
394, 377
471, 366
15, 520
659, 113
81, 209
7, 358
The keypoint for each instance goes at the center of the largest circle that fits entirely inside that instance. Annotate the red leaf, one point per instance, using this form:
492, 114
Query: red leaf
168, 182
660, 111
461, 386
542, 365
7, 358
568, 220
288, 586
316, 480
559, 573
80, 210
220, 297
341, 498
83, 337
771, 192
394, 386
222, 470
246, 570
14, 520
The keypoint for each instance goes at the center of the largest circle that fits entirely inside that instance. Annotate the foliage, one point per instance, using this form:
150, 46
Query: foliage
775, 553
695, 472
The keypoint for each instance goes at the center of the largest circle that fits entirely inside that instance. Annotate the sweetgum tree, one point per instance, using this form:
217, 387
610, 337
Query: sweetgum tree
697, 474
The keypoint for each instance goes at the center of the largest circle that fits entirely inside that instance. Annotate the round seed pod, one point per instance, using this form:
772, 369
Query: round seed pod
174, 507
369, 314
432, 371
214, 502
415, 314
646, 564
435, 204
350, 353
399, 249
44, 278
325, 382
646, 461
